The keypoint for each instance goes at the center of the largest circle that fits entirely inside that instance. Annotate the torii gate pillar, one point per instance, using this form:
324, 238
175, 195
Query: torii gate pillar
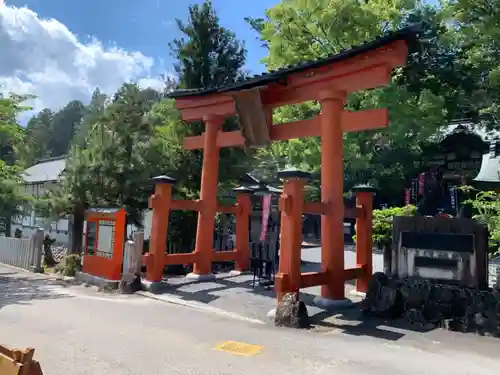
208, 198
332, 193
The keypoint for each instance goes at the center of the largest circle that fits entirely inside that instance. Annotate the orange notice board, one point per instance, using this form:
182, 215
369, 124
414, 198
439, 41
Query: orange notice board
103, 242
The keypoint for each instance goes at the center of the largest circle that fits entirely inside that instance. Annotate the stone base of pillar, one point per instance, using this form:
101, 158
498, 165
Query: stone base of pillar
238, 273
36, 269
333, 305
98, 281
271, 314
153, 286
357, 294
201, 278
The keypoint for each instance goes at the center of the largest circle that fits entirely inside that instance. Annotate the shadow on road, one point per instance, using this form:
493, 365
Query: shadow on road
239, 294
19, 289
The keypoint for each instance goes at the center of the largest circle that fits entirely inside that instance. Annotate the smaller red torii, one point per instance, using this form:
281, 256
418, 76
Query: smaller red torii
328, 81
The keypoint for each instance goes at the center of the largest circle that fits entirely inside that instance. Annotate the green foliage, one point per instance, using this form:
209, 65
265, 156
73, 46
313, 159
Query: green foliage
115, 167
93, 113
70, 265
477, 28
424, 95
487, 207
11, 145
64, 125
49, 134
211, 55
11, 133
37, 136
382, 224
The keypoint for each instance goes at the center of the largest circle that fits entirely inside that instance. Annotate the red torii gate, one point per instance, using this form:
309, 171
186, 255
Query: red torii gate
328, 81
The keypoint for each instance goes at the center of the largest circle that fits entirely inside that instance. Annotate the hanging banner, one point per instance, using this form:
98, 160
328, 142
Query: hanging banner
266, 208
407, 197
421, 184
453, 196
413, 195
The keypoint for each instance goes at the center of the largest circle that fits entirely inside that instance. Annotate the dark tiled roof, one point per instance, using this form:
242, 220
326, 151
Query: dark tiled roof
410, 34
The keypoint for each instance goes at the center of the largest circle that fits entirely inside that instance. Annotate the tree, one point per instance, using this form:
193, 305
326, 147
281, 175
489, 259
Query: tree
63, 127
38, 133
11, 140
477, 29
93, 112
211, 56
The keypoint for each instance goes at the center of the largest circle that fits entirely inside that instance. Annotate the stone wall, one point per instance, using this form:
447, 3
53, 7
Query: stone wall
428, 304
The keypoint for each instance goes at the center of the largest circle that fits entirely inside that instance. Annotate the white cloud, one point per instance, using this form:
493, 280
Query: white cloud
43, 58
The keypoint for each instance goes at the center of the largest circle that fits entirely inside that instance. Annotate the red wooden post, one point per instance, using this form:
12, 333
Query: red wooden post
208, 198
291, 205
244, 203
332, 194
364, 241
160, 203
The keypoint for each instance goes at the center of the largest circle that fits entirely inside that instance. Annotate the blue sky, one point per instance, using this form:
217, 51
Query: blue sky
148, 25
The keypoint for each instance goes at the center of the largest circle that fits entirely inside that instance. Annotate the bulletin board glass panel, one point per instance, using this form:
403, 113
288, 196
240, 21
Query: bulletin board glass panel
91, 237
106, 240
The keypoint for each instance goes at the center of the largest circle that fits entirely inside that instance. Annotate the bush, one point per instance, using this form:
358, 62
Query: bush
382, 224
486, 205
70, 265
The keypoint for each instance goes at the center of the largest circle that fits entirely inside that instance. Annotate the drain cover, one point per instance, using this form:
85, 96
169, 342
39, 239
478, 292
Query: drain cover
239, 348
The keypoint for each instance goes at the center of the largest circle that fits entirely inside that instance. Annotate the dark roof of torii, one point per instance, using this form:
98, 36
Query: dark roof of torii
409, 34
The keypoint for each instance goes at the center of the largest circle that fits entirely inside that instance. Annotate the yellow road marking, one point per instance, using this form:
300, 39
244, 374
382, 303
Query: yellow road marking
239, 348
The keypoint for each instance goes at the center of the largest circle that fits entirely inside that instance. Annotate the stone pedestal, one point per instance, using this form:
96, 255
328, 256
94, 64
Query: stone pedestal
154, 287
96, 280
333, 305
200, 278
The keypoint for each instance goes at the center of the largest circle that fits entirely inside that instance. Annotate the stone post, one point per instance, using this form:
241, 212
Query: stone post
36, 251
138, 239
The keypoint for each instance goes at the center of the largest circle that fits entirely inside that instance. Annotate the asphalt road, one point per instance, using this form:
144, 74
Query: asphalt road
77, 330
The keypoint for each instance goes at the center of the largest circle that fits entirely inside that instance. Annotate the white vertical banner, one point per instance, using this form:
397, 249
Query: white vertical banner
266, 208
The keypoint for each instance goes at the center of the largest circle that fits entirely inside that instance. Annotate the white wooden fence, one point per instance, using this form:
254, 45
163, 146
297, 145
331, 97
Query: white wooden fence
23, 252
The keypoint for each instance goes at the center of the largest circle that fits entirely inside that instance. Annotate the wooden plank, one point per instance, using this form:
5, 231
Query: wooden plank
223, 109
181, 258
228, 209
186, 205
224, 256
353, 273
318, 208
368, 119
309, 279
